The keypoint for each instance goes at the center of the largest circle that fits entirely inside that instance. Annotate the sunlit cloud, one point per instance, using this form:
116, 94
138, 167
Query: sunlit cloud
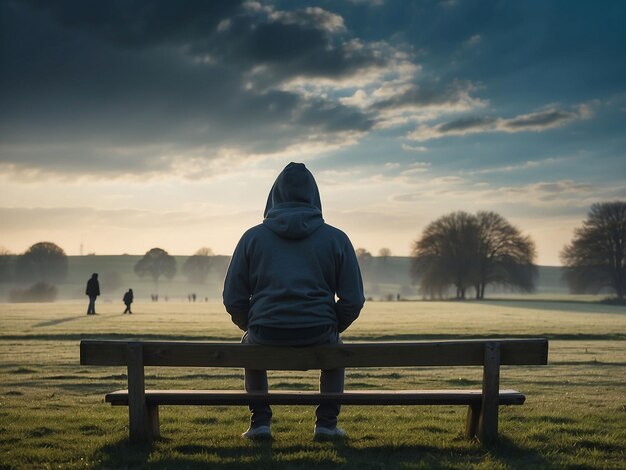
530, 164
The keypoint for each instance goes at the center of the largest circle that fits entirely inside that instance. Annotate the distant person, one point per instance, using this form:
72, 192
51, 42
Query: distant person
128, 299
281, 286
93, 291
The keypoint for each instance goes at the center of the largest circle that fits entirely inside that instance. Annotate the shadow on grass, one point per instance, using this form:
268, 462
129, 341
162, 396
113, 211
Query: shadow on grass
124, 454
272, 455
579, 306
56, 322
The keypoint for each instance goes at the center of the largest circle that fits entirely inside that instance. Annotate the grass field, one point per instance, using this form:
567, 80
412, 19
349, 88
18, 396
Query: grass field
52, 413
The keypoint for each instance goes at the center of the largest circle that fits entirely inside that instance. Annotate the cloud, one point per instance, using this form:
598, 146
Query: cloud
473, 41
511, 168
142, 91
538, 121
155, 90
551, 197
414, 148
402, 97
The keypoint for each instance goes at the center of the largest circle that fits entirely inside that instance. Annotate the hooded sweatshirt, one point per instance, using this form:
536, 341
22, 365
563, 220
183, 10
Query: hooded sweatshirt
293, 271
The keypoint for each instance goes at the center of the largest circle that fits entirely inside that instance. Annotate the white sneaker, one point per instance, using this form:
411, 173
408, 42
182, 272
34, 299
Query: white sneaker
258, 434
323, 433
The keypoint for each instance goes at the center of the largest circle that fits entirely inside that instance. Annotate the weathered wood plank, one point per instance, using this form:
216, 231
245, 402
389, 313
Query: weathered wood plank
139, 419
352, 397
473, 416
396, 354
488, 421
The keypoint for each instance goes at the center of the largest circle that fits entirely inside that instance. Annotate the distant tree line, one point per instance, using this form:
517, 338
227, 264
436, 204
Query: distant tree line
462, 251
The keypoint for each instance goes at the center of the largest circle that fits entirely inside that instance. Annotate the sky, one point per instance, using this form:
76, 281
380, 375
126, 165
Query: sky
131, 125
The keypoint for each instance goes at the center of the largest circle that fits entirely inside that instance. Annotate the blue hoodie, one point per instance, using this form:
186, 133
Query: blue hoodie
293, 271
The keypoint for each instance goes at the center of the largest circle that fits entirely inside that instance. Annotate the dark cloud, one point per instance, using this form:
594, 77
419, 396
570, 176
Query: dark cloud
133, 86
532, 122
427, 95
136, 23
97, 87
545, 119
466, 123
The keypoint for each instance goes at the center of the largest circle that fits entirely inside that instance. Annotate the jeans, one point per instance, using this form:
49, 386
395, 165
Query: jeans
91, 309
331, 381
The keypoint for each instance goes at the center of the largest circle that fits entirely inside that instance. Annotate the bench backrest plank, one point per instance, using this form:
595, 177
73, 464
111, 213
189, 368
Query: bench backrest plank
397, 354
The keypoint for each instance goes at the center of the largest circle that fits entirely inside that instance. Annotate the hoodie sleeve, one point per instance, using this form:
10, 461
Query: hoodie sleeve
349, 289
237, 293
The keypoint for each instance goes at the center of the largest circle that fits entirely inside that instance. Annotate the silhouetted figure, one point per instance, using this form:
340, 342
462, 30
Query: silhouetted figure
193, 297
128, 299
281, 286
93, 291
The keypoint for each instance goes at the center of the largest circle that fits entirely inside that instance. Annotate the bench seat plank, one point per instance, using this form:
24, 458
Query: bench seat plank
352, 397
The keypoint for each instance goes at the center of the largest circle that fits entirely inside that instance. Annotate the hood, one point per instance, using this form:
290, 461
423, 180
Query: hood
293, 208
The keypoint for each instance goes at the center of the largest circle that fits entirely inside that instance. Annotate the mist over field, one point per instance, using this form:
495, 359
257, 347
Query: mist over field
384, 278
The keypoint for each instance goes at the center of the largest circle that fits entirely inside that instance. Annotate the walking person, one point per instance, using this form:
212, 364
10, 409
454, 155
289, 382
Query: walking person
93, 291
128, 299
294, 281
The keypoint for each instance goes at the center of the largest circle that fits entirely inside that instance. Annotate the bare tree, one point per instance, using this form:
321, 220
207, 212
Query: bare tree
156, 263
596, 258
465, 250
446, 255
505, 256
198, 266
43, 261
384, 253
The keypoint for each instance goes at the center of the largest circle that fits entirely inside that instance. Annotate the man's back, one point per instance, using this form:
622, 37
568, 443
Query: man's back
286, 272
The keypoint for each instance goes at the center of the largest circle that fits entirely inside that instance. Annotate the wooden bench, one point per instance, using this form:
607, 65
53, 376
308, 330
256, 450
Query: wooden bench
482, 414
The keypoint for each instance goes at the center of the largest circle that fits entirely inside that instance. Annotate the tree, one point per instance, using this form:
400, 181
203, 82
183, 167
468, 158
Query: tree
43, 261
198, 266
7, 261
505, 256
364, 258
156, 263
466, 250
384, 253
596, 258
445, 255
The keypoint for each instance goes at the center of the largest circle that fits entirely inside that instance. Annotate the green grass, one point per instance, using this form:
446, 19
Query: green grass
52, 412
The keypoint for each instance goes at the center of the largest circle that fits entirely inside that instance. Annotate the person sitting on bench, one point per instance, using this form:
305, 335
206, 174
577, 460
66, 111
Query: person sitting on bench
293, 281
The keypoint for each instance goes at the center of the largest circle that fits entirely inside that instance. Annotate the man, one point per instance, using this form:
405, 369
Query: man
128, 299
93, 291
281, 286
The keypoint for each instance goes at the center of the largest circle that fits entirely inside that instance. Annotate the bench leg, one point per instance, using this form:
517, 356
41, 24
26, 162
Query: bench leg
473, 416
153, 416
139, 413
488, 422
